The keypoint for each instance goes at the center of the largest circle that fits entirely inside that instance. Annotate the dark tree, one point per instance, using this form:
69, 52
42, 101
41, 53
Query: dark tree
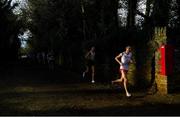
10, 25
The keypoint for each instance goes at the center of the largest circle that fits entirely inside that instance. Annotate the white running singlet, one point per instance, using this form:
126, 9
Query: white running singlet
125, 60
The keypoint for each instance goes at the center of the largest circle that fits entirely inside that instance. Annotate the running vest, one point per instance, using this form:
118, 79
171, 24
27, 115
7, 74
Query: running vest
91, 56
125, 60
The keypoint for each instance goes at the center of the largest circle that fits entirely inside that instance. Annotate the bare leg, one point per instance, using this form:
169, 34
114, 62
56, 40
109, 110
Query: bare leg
93, 71
84, 73
125, 85
87, 69
124, 76
118, 80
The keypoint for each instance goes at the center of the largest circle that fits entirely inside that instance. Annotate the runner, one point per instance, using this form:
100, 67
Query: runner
90, 63
125, 59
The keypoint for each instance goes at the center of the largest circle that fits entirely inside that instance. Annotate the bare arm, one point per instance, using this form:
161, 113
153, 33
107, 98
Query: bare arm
117, 59
132, 60
87, 54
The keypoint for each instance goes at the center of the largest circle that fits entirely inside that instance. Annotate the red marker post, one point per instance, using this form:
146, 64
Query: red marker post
166, 60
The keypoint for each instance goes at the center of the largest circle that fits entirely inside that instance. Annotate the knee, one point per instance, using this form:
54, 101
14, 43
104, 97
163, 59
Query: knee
125, 80
92, 72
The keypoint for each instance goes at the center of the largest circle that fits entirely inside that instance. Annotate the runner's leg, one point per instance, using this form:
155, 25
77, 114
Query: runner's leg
124, 76
93, 71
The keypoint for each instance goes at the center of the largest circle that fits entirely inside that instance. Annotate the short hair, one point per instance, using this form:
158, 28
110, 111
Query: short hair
128, 47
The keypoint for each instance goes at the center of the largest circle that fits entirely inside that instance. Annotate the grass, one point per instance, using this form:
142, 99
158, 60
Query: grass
35, 91
78, 99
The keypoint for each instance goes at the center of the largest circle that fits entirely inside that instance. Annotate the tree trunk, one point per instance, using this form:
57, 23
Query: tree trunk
147, 12
115, 12
83, 18
178, 3
132, 5
161, 12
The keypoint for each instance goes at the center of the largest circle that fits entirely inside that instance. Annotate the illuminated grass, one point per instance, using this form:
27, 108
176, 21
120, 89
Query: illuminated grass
64, 99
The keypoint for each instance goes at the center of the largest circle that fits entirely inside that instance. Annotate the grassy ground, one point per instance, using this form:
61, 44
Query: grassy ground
36, 91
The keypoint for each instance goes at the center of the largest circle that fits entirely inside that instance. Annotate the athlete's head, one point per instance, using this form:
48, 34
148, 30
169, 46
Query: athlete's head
92, 48
128, 49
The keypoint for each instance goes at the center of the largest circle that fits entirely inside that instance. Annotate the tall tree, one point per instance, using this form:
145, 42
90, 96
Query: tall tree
10, 26
178, 4
161, 12
132, 7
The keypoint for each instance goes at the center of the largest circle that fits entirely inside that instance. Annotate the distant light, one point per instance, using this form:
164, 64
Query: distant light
24, 38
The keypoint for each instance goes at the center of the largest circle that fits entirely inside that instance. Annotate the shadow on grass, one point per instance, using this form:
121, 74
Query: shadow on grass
147, 109
80, 92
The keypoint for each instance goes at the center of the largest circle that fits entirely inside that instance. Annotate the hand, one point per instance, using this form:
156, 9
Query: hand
120, 64
131, 61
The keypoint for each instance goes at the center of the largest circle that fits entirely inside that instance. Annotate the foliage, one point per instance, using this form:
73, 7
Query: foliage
70, 27
10, 27
63, 27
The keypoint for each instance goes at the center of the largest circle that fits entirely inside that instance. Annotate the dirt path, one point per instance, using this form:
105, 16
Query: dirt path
37, 91
83, 99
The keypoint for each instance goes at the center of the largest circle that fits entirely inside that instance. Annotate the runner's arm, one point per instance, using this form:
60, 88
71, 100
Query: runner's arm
132, 60
117, 58
87, 54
